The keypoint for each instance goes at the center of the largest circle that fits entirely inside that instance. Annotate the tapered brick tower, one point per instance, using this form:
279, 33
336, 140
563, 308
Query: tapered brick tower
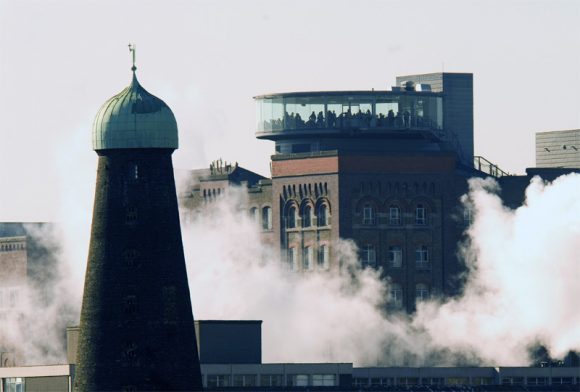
137, 331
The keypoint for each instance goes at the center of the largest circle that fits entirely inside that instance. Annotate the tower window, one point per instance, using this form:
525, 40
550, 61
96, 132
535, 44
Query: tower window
291, 257
131, 215
133, 171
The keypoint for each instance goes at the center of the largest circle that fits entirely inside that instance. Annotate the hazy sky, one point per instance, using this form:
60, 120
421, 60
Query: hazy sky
60, 60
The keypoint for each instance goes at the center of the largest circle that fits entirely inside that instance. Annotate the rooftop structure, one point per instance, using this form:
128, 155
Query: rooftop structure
558, 149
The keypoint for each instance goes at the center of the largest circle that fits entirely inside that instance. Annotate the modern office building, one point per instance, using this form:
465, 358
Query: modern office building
558, 149
384, 168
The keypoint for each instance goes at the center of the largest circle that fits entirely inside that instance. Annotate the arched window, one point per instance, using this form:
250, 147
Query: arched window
253, 214
291, 257
394, 216
323, 215
422, 257
267, 218
421, 292
323, 259
291, 217
396, 295
420, 215
368, 215
395, 256
368, 255
307, 216
307, 259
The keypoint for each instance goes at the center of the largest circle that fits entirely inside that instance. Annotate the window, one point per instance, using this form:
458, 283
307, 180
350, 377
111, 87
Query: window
13, 298
323, 215
271, 380
323, 262
218, 380
15, 384
307, 216
420, 216
253, 214
378, 381
396, 295
368, 215
360, 381
537, 381
267, 218
394, 216
467, 216
298, 380
131, 215
407, 381
323, 380
291, 218
292, 265
133, 171
307, 259
244, 380
368, 256
421, 292
395, 256
422, 257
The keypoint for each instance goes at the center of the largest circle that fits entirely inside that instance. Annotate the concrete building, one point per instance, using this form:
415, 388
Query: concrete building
558, 149
384, 168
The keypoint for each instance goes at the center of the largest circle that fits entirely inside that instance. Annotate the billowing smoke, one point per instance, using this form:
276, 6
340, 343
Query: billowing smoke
37, 310
520, 289
524, 273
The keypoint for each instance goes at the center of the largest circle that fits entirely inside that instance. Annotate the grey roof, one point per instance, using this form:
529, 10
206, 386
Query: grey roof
134, 118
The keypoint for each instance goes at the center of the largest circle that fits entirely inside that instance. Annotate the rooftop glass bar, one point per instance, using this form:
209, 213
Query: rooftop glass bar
332, 112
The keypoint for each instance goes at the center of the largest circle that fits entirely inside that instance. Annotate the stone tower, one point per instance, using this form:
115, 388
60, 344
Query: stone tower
137, 331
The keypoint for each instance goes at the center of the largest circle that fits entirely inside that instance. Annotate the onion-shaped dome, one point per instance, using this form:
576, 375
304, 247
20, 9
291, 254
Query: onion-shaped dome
134, 118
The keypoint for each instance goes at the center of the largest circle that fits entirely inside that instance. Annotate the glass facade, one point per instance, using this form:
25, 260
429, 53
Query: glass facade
350, 110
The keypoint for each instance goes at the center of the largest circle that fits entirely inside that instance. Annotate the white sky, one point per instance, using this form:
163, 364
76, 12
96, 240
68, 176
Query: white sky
60, 60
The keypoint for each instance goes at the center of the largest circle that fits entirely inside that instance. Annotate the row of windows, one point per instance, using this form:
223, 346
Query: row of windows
322, 258
395, 217
368, 256
422, 293
266, 217
307, 216
270, 380
12, 247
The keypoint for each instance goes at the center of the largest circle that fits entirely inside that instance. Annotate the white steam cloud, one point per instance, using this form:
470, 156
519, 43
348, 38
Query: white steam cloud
521, 288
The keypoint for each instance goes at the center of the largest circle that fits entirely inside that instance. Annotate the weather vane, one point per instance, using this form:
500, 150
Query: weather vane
132, 49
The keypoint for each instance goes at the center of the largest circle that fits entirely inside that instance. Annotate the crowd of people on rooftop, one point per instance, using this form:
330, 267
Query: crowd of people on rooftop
361, 119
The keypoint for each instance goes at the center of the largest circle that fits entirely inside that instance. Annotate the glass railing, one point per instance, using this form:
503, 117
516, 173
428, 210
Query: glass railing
351, 110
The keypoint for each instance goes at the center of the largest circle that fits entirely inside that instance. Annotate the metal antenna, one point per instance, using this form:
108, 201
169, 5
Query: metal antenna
132, 49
